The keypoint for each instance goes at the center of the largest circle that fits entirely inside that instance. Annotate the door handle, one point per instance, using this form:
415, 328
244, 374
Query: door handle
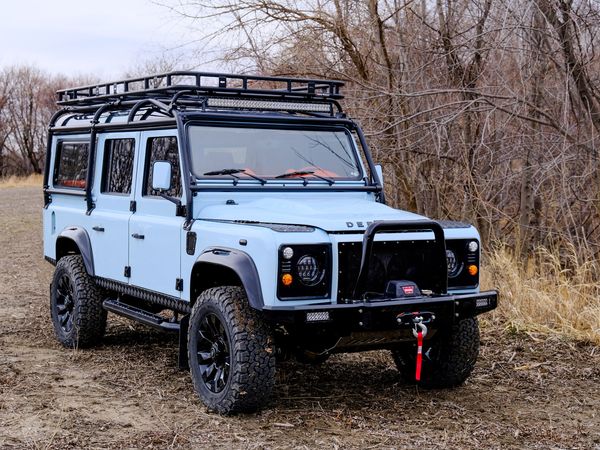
97, 228
137, 236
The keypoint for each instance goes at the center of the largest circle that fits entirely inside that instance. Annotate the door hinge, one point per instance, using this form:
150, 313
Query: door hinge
179, 284
132, 206
127, 272
180, 211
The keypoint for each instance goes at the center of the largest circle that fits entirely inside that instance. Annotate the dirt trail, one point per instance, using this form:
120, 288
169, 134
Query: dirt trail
527, 392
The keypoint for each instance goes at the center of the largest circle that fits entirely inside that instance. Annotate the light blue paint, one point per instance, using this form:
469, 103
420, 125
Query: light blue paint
160, 258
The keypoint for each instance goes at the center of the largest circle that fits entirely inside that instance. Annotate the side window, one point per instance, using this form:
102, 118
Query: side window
117, 172
163, 149
70, 166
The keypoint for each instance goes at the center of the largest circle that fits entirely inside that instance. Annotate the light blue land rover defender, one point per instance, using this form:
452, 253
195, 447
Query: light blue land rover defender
246, 214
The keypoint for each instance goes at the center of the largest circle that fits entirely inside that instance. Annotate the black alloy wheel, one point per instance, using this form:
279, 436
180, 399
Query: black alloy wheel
231, 352
64, 303
214, 356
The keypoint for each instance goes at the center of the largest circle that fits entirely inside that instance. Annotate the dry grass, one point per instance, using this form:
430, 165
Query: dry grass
14, 181
544, 296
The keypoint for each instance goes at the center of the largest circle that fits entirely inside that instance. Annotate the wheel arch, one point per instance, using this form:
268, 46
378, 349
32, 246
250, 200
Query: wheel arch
75, 240
226, 266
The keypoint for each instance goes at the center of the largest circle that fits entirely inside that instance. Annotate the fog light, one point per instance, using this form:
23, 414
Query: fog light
320, 316
473, 270
286, 279
473, 246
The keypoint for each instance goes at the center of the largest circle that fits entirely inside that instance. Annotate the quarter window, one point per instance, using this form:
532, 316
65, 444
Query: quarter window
118, 166
70, 168
163, 149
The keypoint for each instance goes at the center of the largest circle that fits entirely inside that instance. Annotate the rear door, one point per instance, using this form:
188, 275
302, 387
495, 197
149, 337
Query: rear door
155, 229
115, 190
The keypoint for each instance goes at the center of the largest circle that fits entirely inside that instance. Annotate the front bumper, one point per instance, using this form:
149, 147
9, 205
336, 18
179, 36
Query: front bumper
382, 315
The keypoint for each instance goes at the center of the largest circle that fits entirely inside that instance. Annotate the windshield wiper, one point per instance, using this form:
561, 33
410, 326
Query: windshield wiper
300, 173
233, 172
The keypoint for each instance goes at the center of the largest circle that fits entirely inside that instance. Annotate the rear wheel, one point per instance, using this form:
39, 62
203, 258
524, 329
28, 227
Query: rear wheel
76, 304
231, 352
448, 359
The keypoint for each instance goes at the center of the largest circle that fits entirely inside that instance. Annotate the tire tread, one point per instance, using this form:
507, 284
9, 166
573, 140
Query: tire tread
253, 371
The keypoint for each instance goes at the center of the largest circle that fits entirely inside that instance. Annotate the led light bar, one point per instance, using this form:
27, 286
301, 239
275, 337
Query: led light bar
268, 105
318, 316
482, 303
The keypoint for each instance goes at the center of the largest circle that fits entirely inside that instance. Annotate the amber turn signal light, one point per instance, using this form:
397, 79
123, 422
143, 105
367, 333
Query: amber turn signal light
473, 270
286, 279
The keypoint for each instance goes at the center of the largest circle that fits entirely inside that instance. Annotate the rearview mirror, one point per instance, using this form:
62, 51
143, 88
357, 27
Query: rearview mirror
379, 171
161, 176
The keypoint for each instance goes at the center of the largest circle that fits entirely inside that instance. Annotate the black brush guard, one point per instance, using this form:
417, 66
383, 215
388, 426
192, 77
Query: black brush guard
382, 314
439, 266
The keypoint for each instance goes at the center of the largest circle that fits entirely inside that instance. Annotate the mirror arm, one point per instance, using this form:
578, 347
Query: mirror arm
171, 199
180, 210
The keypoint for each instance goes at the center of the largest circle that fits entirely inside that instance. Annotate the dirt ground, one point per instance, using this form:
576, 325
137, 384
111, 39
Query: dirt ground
526, 392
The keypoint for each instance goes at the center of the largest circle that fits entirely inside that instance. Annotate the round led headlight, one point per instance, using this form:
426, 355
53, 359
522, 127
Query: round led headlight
287, 253
452, 263
473, 246
309, 271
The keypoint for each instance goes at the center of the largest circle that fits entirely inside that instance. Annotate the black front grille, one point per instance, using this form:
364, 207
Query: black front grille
390, 260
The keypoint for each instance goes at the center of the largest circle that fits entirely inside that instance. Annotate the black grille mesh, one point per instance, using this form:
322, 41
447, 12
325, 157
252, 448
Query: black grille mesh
391, 260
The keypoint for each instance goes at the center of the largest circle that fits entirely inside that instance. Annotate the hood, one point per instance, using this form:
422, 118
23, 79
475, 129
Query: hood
340, 214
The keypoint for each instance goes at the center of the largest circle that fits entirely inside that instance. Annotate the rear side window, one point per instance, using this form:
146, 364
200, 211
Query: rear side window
163, 149
118, 166
70, 167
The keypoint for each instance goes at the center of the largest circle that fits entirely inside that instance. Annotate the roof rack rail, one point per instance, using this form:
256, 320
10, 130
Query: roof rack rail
187, 83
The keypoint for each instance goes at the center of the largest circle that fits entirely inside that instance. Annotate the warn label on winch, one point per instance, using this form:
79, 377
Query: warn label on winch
402, 288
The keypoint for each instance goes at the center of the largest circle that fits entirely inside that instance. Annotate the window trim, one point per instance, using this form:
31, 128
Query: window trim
145, 179
56, 164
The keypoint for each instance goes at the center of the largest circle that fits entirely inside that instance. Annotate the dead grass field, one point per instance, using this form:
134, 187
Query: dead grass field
13, 181
533, 390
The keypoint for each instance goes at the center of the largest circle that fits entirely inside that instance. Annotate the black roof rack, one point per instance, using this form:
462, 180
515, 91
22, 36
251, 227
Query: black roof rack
192, 84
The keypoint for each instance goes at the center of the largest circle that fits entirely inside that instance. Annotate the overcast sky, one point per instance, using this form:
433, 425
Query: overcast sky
104, 38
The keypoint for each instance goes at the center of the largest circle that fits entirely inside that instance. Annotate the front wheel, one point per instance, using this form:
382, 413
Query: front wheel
231, 352
448, 359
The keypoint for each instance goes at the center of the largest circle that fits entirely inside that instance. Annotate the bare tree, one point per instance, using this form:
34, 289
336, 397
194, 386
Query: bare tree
479, 109
27, 101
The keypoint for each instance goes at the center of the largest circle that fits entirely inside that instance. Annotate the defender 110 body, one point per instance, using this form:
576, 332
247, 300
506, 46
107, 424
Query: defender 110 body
251, 209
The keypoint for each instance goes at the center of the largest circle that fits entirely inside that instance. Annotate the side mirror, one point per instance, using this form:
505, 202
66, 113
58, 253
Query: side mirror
379, 171
161, 176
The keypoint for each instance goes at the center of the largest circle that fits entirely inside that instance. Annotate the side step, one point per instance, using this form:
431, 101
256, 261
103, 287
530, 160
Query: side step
139, 315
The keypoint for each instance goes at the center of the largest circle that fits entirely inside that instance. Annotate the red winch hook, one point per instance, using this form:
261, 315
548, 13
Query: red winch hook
419, 332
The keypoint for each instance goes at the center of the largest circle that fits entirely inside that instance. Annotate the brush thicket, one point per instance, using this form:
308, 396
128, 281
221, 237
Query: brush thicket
555, 291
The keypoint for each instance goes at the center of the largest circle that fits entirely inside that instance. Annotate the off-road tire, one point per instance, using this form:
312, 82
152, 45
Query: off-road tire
88, 318
251, 350
448, 359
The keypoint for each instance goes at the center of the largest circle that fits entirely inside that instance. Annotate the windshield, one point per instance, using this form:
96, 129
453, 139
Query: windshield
273, 153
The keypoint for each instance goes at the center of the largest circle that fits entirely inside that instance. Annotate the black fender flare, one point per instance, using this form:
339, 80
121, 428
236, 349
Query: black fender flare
82, 240
242, 265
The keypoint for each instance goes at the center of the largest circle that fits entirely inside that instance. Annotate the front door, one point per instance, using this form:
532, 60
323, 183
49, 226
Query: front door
154, 229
